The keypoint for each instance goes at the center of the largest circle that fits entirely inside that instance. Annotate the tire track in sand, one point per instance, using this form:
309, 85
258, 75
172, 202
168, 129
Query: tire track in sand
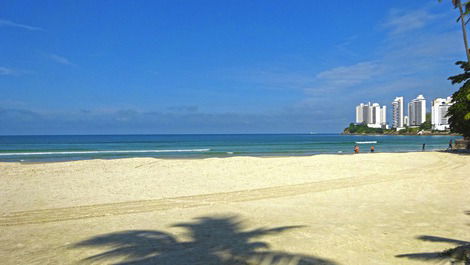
121, 208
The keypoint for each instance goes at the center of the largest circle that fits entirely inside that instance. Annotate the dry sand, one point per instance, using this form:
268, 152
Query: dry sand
325, 209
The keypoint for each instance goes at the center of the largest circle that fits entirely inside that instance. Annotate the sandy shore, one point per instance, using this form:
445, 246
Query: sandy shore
325, 209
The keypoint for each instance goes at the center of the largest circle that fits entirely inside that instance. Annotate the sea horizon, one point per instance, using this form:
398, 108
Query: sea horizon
137, 134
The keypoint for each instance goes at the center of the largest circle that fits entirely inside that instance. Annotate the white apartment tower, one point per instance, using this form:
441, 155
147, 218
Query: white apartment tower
406, 121
417, 111
359, 113
439, 110
383, 117
397, 113
373, 115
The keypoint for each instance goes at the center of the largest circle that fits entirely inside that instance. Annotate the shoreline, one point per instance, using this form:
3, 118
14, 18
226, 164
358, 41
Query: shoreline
232, 156
403, 134
183, 147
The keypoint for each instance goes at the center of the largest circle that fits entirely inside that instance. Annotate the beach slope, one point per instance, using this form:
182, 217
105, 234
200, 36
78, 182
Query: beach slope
396, 208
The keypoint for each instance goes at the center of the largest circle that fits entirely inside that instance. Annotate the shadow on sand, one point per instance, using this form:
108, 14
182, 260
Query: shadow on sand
212, 240
461, 253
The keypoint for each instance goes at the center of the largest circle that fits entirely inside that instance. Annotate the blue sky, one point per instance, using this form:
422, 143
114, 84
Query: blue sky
114, 67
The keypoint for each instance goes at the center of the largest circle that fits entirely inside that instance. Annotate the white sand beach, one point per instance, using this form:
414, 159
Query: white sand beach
324, 209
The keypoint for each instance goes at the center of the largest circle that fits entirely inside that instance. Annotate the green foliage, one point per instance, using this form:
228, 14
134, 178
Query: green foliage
409, 130
465, 6
459, 112
426, 125
362, 128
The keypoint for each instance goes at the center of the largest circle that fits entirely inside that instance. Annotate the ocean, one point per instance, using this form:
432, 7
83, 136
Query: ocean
78, 147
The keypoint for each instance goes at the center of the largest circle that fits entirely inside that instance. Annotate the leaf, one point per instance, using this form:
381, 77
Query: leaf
467, 5
459, 112
467, 116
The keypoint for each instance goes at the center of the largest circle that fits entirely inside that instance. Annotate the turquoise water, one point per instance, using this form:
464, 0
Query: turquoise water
76, 147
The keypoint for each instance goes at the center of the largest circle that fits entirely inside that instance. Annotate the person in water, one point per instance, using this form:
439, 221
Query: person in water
372, 149
424, 147
450, 144
356, 149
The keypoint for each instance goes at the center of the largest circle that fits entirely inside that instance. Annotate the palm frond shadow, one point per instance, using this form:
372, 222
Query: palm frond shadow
213, 240
461, 253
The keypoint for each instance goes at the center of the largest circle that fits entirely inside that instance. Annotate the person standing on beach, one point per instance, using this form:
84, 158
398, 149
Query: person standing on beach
372, 149
356, 149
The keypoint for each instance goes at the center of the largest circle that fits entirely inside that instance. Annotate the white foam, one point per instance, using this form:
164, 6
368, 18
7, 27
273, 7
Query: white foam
105, 152
367, 142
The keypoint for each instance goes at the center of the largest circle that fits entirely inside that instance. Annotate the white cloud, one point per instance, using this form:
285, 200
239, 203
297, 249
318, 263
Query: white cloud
268, 77
8, 23
416, 56
60, 59
424, 46
344, 47
350, 75
7, 71
399, 22
9, 103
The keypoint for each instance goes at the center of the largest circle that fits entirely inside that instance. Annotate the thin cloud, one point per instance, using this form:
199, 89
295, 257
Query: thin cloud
345, 46
8, 23
399, 21
404, 63
269, 77
350, 75
7, 71
189, 108
60, 59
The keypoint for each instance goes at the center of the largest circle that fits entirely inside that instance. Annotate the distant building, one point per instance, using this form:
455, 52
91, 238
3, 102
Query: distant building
359, 113
406, 121
439, 110
417, 111
383, 117
397, 113
373, 115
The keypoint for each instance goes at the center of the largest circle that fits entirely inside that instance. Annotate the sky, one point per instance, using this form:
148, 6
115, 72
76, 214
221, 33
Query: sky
178, 66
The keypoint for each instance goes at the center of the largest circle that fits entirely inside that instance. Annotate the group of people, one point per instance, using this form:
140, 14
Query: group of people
356, 149
372, 148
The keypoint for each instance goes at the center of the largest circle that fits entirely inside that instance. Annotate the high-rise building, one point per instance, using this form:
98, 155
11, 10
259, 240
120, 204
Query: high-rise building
373, 115
439, 110
383, 117
417, 111
359, 113
397, 113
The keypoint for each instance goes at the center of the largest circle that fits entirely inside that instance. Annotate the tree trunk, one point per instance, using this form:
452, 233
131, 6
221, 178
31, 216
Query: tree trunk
464, 30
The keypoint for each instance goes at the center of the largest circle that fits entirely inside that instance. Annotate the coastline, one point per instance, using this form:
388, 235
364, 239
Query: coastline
69, 148
274, 155
403, 134
372, 205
